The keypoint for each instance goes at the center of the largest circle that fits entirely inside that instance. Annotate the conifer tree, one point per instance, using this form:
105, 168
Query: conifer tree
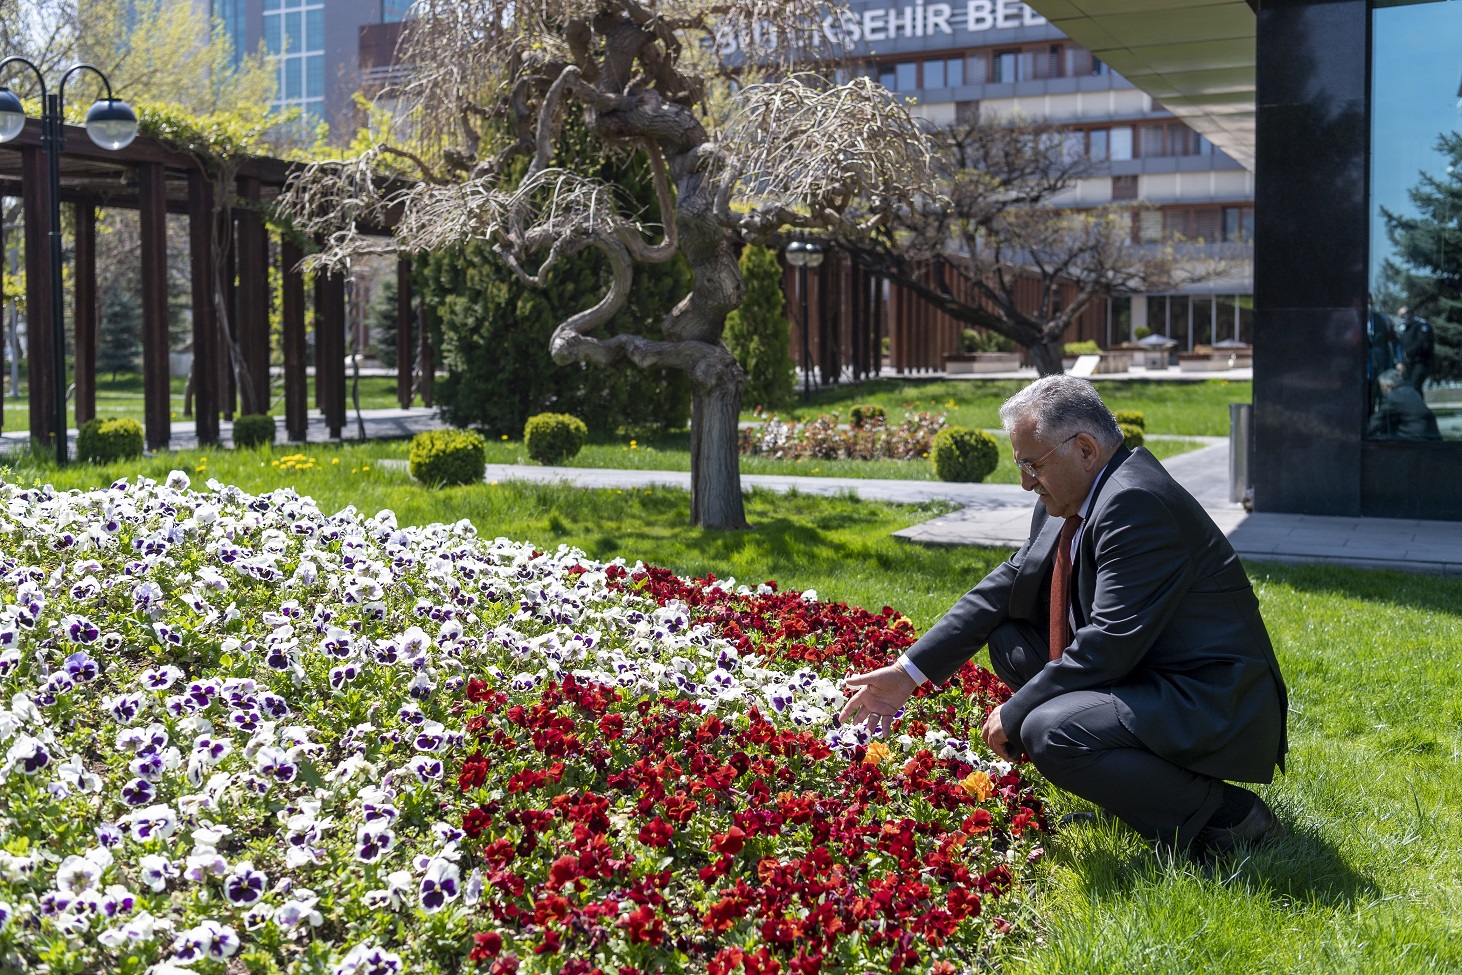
1426, 273
758, 333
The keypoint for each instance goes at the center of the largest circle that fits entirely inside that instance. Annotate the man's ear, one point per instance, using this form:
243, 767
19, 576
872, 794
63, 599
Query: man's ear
1090, 449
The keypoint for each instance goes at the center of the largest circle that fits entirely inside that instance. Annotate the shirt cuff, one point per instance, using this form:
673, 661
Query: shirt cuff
915, 674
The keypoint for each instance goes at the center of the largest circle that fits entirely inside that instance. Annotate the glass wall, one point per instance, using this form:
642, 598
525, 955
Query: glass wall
1414, 325
294, 39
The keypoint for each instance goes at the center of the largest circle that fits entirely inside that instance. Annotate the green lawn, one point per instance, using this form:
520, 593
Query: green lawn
122, 396
1370, 880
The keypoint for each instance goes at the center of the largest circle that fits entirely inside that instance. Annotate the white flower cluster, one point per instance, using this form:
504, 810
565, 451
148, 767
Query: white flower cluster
216, 705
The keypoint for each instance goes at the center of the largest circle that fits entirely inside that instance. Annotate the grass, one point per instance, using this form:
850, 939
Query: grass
1370, 879
122, 395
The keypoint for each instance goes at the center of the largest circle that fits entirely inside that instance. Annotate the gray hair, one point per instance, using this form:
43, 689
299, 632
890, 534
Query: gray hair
1062, 406
1388, 380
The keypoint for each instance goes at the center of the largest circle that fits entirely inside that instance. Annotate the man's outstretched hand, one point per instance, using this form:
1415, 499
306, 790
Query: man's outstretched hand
878, 696
995, 736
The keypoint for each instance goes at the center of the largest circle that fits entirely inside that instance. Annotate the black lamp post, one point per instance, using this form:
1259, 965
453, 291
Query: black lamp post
803, 254
112, 125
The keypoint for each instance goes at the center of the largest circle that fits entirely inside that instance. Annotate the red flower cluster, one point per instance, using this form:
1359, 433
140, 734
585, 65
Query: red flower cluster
619, 835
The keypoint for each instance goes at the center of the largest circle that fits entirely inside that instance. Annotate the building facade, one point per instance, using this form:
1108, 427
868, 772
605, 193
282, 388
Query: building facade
324, 50
1003, 57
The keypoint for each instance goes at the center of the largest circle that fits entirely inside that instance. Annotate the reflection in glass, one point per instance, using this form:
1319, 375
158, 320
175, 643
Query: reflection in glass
1414, 323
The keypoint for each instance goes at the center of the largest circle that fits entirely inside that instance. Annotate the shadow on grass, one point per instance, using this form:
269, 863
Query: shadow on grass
1302, 872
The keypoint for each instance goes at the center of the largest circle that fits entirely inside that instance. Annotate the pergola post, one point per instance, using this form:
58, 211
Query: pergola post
156, 382
86, 311
39, 319
205, 317
330, 349
224, 231
404, 350
296, 382
252, 330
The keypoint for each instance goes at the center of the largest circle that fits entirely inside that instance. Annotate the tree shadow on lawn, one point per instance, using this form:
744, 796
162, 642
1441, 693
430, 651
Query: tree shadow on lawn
1301, 872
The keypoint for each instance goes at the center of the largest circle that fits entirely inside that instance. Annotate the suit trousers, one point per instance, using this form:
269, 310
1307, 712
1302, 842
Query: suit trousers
1078, 742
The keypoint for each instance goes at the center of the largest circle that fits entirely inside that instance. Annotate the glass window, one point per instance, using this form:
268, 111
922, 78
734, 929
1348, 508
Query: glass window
393, 10
272, 43
1179, 323
1244, 313
906, 76
1004, 68
271, 4
1414, 329
315, 76
1097, 144
978, 66
887, 79
934, 73
954, 72
1150, 226
1122, 142
315, 29
1203, 324
293, 84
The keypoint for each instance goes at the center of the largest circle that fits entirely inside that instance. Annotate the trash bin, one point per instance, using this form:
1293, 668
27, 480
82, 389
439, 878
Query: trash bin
1240, 449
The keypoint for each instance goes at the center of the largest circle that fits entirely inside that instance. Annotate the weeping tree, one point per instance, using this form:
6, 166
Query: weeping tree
1001, 221
491, 83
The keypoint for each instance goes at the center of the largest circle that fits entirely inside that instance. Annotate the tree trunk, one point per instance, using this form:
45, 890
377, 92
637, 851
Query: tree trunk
715, 463
1046, 355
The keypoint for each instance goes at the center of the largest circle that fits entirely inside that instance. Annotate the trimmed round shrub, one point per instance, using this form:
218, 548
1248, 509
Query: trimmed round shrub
441, 457
253, 430
1087, 347
103, 441
869, 415
552, 438
1132, 436
963, 454
1131, 418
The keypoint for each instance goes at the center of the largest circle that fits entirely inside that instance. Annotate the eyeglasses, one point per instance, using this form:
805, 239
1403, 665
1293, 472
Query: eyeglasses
1031, 468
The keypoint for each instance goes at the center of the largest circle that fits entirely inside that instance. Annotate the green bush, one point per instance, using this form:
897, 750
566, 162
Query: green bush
552, 438
963, 454
1132, 436
452, 456
253, 430
1131, 418
869, 414
103, 441
973, 340
759, 334
1081, 348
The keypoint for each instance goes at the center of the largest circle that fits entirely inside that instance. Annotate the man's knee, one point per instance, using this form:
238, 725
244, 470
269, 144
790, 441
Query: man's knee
1016, 655
1064, 733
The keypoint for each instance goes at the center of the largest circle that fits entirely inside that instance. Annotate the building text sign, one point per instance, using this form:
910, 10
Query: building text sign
911, 20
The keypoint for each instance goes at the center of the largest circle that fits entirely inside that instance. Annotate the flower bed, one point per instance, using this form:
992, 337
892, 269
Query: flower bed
241, 735
826, 438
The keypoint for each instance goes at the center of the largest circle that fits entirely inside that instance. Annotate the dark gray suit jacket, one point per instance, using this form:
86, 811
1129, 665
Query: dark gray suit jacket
1165, 619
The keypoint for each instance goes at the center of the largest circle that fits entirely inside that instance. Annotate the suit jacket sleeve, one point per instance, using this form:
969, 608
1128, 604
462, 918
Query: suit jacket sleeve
1143, 570
945, 647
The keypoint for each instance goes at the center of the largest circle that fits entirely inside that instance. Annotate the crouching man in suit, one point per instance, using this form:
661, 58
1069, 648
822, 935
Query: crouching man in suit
1143, 676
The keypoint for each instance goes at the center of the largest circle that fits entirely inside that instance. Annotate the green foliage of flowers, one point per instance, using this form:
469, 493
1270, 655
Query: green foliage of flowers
253, 430
552, 438
866, 414
963, 454
442, 457
102, 441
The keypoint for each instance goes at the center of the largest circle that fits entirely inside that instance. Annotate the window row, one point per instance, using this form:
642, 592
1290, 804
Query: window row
1206, 223
1189, 320
987, 67
1148, 141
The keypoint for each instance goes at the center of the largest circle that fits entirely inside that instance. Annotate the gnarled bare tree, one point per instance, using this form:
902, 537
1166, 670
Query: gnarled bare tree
490, 83
1002, 216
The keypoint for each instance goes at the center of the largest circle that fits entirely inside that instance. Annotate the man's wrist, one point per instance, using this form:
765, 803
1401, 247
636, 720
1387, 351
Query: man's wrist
910, 671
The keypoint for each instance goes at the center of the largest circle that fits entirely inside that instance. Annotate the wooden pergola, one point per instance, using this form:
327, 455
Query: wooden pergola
156, 180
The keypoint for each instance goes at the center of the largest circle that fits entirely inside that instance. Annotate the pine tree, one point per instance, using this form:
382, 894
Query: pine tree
1427, 269
119, 339
381, 319
759, 334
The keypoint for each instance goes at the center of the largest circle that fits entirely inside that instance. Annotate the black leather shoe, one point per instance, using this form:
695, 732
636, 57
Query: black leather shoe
1259, 828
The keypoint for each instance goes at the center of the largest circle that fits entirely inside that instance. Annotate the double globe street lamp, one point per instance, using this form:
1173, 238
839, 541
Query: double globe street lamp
111, 124
803, 254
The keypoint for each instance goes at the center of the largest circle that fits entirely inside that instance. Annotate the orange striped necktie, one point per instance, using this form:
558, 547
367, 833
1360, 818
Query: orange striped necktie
1061, 589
